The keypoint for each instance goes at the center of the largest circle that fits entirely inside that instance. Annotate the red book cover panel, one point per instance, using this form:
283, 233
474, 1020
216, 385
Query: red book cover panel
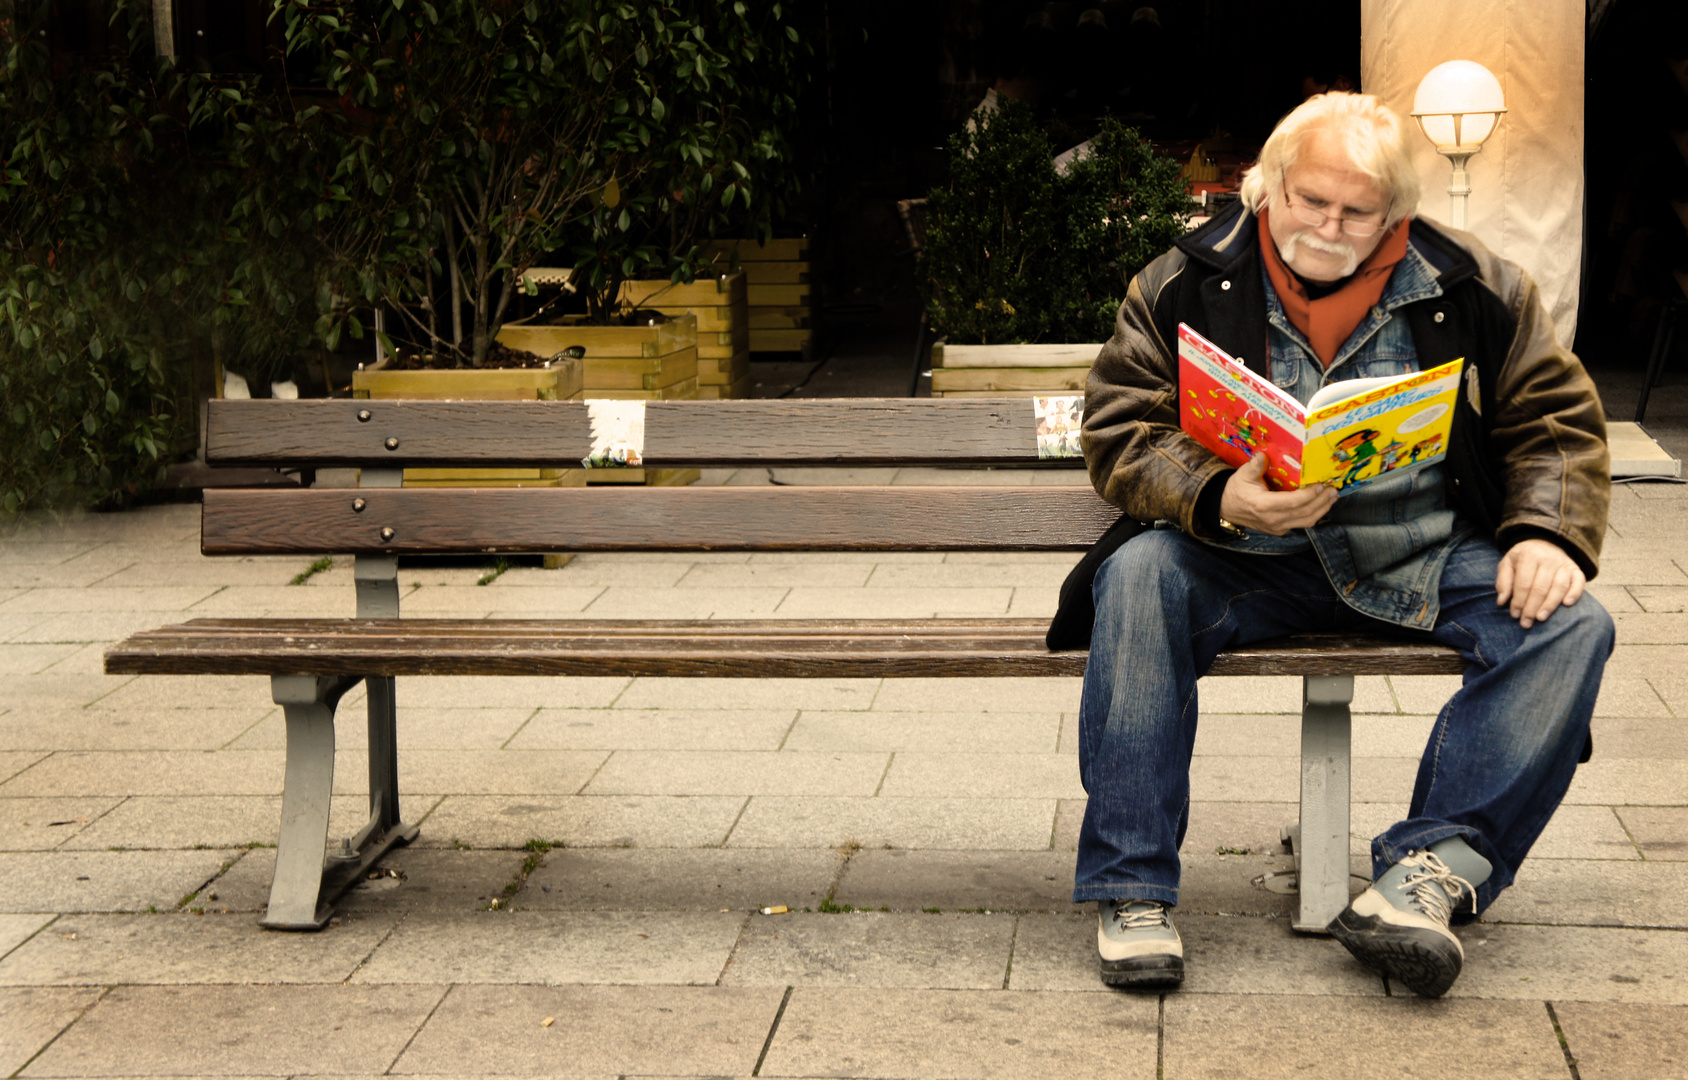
1235, 413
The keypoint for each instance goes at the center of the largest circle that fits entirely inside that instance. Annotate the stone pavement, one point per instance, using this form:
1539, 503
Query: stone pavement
584, 899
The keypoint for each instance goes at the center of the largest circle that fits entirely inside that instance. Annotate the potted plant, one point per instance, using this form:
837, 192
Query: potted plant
1025, 266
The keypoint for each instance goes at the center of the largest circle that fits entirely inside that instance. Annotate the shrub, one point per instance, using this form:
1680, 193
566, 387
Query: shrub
1016, 252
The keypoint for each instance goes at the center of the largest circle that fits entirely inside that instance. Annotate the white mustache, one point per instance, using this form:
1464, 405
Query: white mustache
1346, 252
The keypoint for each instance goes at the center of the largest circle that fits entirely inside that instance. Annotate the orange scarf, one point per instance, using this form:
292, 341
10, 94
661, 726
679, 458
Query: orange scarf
1328, 321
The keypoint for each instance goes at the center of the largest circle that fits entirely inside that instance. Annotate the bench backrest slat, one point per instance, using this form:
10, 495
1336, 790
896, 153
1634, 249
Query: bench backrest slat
857, 431
465, 520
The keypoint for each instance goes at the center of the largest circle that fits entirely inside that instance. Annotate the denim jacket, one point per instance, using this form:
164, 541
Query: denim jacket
1384, 544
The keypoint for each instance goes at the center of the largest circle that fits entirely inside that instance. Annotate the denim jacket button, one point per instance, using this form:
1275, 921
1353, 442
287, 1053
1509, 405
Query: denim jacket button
1439, 316
1225, 286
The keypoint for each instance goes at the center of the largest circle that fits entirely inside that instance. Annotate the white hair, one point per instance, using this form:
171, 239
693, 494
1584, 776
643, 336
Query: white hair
1371, 133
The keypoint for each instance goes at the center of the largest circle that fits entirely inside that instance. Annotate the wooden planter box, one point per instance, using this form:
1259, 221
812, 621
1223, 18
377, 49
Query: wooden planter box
648, 363
780, 301
723, 325
559, 382
999, 370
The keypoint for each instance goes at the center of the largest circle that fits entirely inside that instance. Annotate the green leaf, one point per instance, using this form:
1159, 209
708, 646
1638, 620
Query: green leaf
95, 348
658, 109
791, 32
489, 27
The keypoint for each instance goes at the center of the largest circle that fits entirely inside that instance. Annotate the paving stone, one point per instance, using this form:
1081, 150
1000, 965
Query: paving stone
62, 691
103, 880
1661, 831
44, 824
1639, 737
86, 659
418, 729
239, 1031
987, 1034
222, 570
926, 774
183, 948
1674, 693
871, 948
32, 659
658, 729
162, 598
738, 772
492, 691
1661, 597
819, 602
905, 880
1614, 598
557, 947
717, 694
782, 576
582, 571
845, 557
955, 824
478, 772
1028, 603
999, 732
1216, 778
1222, 955
13, 763
679, 879
194, 692
1236, 885
84, 626
585, 821
222, 821
444, 881
969, 575
242, 601
1565, 963
1578, 892
25, 550
1640, 571
528, 602
992, 695
1619, 781
1316, 1036
17, 929
1625, 1042
1655, 629
639, 602
1067, 559
128, 729
1575, 832
152, 772
17, 627
34, 1017
609, 1030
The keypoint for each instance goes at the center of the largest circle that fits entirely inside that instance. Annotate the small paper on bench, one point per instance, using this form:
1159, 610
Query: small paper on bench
618, 433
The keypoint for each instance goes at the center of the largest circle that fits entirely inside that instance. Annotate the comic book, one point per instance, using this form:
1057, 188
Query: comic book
1350, 433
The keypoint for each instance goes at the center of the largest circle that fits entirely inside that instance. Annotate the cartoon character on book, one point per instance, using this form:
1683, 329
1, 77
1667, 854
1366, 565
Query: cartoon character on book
1245, 435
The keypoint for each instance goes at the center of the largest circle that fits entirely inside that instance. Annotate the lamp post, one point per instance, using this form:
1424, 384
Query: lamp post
1457, 106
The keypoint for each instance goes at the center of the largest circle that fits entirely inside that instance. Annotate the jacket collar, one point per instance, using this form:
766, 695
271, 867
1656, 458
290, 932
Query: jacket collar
1234, 233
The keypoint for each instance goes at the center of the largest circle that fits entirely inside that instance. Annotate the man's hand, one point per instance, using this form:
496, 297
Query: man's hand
1535, 577
1248, 502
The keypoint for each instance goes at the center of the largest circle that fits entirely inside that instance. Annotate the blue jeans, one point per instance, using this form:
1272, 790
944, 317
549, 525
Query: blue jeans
1499, 760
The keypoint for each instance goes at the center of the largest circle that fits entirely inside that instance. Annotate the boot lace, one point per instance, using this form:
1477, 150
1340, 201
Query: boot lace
1146, 919
1429, 870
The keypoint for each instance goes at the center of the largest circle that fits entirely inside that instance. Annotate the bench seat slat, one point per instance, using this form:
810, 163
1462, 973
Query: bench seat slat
855, 431
737, 648
469, 520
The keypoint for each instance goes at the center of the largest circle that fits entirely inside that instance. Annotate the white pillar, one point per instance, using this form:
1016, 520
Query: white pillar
1526, 199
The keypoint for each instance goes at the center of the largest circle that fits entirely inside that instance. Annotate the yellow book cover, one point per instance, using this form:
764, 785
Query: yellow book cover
1393, 425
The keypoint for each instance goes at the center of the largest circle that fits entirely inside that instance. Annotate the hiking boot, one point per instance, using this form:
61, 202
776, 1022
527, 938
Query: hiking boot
1399, 926
1138, 945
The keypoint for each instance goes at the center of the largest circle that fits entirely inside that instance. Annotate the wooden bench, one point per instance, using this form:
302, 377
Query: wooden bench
314, 662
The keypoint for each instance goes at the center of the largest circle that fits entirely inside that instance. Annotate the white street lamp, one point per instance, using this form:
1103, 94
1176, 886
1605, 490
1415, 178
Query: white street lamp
1457, 107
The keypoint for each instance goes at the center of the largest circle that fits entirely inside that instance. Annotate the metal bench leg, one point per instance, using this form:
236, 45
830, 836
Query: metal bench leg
296, 900
385, 827
1322, 844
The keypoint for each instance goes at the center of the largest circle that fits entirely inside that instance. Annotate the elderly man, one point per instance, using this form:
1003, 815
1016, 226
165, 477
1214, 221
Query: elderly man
1322, 273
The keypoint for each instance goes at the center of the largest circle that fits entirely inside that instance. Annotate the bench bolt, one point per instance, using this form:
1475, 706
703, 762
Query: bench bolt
392, 443
358, 505
364, 415
387, 533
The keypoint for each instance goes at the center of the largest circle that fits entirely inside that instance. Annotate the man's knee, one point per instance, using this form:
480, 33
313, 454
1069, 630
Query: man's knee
1141, 567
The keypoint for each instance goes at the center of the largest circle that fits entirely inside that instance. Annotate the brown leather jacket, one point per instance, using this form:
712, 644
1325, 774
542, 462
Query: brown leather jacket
1528, 453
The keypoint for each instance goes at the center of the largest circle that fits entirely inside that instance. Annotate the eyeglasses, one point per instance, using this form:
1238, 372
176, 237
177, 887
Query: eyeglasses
1352, 226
